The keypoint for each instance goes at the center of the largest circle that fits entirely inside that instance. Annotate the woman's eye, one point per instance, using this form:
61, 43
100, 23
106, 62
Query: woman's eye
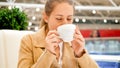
59, 18
69, 19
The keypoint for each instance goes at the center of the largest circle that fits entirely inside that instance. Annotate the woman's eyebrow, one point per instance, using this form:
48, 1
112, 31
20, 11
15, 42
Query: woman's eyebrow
58, 15
70, 16
62, 15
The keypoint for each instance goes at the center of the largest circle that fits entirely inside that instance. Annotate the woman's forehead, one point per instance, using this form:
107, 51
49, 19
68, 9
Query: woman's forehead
63, 8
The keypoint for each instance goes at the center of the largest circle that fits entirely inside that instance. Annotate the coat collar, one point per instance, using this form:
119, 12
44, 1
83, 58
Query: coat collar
39, 38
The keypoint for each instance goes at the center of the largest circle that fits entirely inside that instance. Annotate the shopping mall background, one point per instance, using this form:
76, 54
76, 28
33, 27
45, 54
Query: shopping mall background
103, 32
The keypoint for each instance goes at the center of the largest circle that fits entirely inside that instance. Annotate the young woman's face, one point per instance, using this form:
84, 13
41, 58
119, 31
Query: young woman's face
61, 14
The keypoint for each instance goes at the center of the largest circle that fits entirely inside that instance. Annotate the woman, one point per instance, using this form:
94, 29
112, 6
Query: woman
41, 50
95, 34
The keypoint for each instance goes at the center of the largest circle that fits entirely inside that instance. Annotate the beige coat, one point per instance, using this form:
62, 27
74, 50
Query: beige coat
32, 54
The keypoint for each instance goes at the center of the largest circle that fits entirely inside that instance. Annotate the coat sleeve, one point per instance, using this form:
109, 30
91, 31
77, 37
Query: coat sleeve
25, 59
85, 61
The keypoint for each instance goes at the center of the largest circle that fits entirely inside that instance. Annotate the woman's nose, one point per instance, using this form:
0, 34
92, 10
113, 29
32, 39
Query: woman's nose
65, 21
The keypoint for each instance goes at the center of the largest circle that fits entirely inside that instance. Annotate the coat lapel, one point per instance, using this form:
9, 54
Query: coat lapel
38, 41
39, 38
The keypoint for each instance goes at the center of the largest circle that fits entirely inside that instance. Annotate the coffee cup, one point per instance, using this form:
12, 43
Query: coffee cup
66, 32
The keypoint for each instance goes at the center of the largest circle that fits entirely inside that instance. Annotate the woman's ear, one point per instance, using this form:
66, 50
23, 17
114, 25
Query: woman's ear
45, 17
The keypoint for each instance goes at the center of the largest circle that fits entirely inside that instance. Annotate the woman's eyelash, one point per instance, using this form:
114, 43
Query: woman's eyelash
59, 18
69, 19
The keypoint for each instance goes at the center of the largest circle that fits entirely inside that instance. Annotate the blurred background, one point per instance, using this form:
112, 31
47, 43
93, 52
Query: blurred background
98, 20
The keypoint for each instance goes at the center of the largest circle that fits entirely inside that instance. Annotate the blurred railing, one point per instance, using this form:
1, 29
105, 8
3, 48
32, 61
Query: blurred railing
105, 46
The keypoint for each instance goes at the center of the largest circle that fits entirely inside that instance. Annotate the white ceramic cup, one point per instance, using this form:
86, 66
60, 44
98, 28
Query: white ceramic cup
66, 32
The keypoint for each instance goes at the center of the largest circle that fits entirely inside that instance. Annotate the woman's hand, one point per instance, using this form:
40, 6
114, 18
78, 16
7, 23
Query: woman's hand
78, 43
52, 42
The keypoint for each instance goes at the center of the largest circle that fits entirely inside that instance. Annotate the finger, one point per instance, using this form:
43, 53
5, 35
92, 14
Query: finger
52, 36
78, 30
53, 32
79, 37
79, 41
54, 40
81, 44
56, 45
48, 38
60, 40
78, 34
